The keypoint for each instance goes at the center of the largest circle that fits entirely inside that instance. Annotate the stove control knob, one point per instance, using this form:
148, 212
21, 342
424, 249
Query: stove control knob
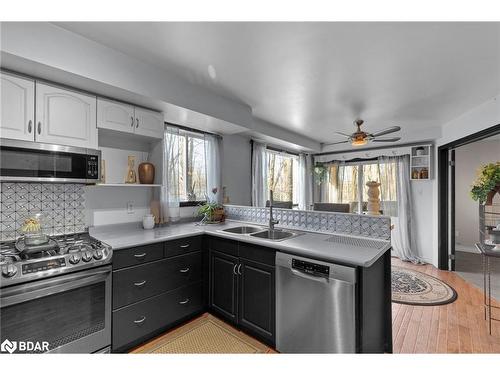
9, 270
87, 256
98, 255
74, 259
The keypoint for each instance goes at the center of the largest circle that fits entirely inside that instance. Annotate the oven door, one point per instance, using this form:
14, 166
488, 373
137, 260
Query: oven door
72, 313
31, 161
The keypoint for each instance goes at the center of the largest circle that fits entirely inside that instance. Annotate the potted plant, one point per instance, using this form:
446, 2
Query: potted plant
487, 183
211, 210
320, 173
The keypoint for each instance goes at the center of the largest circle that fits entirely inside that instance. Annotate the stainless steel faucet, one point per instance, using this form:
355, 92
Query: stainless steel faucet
272, 222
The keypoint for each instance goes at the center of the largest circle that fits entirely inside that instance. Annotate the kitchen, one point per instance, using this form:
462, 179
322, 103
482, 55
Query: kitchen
158, 197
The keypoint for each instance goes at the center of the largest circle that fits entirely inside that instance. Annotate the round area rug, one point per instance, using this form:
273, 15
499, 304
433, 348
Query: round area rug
416, 288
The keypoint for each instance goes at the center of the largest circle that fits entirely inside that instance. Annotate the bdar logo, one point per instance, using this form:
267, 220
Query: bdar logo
8, 346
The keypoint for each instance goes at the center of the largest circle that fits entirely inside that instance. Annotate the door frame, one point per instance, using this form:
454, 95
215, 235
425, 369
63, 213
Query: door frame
445, 186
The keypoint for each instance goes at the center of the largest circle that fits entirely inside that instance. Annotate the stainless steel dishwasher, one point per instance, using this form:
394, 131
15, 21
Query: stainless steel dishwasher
315, 306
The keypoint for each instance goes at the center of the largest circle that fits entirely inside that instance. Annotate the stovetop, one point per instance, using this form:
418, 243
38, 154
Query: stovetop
63, 254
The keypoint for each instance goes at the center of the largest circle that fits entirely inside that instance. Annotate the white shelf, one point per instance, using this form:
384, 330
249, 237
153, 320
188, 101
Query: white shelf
129, 185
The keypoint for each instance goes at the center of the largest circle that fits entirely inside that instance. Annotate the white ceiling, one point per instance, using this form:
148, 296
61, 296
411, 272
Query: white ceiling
315, 78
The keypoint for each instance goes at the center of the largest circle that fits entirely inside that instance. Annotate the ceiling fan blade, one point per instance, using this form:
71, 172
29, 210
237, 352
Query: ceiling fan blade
344, 134
335, 143
392, 129
395, 139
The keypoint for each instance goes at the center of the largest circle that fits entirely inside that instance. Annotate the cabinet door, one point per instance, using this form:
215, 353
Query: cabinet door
18, 108
256, 311
149, 123
65, 117
115, 116
224, 285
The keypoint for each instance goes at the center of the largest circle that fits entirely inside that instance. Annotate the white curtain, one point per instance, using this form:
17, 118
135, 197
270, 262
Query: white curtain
403, 236
304, 182
170, 190
259, 174
213, 167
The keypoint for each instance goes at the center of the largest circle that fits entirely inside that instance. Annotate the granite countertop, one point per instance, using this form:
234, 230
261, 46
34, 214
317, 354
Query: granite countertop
307, 244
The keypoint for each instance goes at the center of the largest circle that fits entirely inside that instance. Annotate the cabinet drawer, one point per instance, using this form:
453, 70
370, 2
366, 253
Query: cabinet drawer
133, 323
183, 246
137, 255
137, 283
225, 246
259, 254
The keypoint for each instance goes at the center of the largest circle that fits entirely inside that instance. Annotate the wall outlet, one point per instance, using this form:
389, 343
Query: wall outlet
130, 207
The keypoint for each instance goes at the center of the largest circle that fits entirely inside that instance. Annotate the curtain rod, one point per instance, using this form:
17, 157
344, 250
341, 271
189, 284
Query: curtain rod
276, 149
374, 148
186, 128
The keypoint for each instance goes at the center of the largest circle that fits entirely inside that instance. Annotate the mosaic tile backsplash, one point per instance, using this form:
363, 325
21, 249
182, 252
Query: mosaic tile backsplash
63, 206
330, 222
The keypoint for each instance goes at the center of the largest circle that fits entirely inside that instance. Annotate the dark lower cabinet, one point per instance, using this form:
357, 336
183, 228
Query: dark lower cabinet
242, 291
256, 312
224, 285
138, 322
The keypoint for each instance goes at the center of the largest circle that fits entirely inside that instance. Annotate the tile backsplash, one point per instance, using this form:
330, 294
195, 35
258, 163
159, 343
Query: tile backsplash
63, 206
321, 221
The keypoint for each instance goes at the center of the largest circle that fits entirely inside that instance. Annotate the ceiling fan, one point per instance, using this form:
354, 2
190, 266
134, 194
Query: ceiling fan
361, 138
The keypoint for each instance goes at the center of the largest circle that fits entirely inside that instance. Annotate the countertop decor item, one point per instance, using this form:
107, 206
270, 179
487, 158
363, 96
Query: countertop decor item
146, 172
416, 288
487, 183
32, 230
131, 175
373, 198
212, 211
148, 221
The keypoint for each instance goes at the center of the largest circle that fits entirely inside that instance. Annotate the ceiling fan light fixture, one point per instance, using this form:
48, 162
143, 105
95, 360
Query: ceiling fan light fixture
359, 141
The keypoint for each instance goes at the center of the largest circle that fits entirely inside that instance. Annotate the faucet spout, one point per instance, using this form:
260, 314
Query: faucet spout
272, 222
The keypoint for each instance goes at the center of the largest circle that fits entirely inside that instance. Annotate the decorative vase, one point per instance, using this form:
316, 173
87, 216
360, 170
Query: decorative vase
218, 216
373, 198
131, 176
146, 173
148, 221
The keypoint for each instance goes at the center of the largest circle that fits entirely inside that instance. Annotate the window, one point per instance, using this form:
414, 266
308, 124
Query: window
346, 183
282, 174
189, 162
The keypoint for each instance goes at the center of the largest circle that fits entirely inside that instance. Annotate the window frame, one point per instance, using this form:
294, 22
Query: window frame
190, 134
295, 161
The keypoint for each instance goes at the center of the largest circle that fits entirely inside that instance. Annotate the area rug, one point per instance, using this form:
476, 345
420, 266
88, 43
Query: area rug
416, 288
206, 336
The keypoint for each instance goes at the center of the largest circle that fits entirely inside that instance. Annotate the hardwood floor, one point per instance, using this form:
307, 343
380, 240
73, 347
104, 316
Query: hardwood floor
458, 327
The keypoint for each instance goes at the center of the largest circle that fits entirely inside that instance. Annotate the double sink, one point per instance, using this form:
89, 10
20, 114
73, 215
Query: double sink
259, 232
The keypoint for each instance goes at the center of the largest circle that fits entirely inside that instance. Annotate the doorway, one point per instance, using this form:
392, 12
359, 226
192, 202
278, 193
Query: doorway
448, 173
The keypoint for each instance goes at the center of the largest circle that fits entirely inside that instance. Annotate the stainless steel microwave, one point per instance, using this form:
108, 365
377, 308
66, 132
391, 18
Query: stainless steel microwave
41, 162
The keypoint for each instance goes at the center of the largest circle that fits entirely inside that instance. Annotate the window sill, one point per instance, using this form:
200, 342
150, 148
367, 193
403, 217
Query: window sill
190, 203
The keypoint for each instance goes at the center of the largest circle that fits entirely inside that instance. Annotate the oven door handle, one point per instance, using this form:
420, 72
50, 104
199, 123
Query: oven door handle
44, 288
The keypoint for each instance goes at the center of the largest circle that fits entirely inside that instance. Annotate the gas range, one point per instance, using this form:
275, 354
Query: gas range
63, 254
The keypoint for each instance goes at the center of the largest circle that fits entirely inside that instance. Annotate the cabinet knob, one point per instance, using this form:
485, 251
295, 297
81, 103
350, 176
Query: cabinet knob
30, 126
39, 127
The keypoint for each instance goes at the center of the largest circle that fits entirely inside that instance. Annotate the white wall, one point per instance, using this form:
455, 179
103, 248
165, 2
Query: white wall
468, 159
236, 169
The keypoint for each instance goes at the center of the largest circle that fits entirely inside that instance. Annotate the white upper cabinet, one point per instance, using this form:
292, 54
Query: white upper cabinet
17, 107
65, 117
115, 116
149, 123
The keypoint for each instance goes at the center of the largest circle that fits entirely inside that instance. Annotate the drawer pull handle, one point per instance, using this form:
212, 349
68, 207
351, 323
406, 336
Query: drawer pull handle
234, 269
184, 302
140, 255
141, 320
30, 125
239, 269
140, 283
185, 246
184, 270
132, 121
